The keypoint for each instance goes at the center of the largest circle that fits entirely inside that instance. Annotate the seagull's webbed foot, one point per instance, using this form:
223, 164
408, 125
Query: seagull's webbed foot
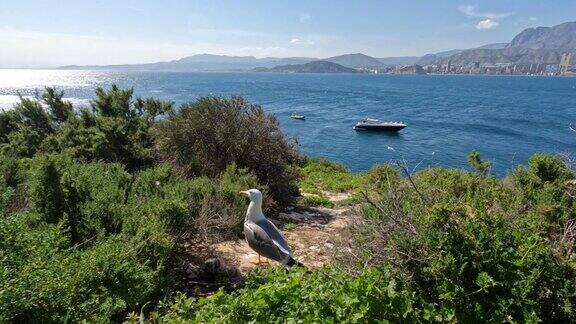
259, 261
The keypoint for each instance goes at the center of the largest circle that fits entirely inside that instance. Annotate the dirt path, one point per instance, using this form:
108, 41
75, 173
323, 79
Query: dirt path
313, 234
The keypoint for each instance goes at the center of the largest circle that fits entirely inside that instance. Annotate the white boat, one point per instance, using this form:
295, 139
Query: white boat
295, 116
377, 125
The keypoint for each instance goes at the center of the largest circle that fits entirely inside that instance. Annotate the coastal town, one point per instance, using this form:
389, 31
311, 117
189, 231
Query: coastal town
566, 67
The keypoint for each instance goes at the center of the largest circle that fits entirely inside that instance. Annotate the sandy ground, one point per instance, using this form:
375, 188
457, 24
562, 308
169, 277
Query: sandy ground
314, 235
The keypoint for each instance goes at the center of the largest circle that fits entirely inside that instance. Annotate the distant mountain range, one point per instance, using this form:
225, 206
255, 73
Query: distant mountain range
200, 63
438, 57
533, 45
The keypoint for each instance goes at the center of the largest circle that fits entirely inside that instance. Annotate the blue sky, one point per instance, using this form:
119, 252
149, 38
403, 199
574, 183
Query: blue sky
50, 33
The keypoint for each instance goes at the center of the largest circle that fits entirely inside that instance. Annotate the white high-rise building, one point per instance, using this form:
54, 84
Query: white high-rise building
566, 63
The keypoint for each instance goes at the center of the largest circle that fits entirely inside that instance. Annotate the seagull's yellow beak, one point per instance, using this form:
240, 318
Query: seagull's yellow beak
244, 193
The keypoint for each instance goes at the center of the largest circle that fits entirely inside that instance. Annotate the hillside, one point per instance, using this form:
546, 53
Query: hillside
216, 63
129, 212
311, 67
200, 63
354, 60
506, 55
433, 58
398, 60
494, 46
436, 57
558, 37
532, 45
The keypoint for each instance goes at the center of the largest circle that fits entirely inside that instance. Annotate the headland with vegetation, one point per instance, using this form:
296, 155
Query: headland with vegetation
112, 213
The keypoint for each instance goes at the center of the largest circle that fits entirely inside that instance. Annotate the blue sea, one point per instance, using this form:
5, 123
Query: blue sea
505, 118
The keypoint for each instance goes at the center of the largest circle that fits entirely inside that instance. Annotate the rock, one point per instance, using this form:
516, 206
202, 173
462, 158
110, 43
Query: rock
294, 216
211, 268
192, 271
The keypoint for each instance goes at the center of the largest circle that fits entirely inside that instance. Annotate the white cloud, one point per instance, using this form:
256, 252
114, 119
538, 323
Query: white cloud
472, 11
301, 41
487, 24
489, 19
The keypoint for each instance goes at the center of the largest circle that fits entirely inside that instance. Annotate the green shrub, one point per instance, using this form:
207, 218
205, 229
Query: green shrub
96, 197
327, 295
223, 211
482, 167
41, 281
46, 194
479, 248
206, 136
23, 142
117, 129
77, 140
323, 175
95, 255
549, 168
315, 201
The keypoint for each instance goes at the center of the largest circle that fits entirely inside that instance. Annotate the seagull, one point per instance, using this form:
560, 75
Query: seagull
262, 235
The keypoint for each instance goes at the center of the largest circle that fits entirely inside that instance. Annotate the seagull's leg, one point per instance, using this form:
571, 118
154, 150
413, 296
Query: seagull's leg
260, 261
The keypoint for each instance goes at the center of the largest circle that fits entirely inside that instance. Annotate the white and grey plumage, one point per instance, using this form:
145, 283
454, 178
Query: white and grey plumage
262, 235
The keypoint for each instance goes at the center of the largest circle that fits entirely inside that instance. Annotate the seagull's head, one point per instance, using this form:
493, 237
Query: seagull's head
254, 194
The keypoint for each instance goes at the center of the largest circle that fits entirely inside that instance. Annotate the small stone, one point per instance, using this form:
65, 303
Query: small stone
211, 268
294, 216
192, 271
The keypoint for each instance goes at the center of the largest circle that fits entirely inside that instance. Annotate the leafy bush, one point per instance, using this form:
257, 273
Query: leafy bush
46, 194
68, 256
89, 198
327, 295
117, 129
548, 168
315, 201
480, 248
224, 210
90, 224
319, 175
206, 136
42, 281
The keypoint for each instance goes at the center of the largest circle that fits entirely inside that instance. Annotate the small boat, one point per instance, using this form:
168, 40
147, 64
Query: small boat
295, 116
377, 125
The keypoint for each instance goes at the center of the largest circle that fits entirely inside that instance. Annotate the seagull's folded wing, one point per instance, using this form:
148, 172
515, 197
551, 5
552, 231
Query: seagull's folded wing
263, 244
